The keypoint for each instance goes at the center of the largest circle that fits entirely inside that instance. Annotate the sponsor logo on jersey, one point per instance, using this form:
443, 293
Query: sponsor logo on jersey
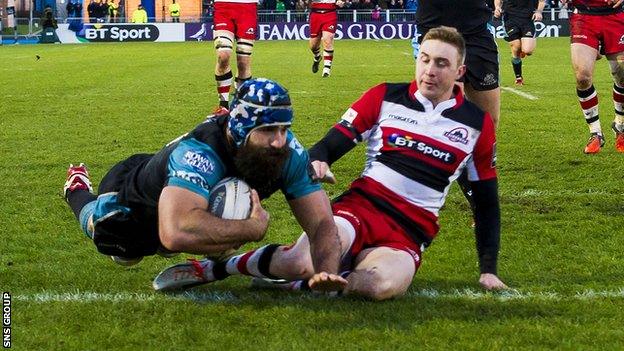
191, 177
621, 42
403, 119
421, 147
199, 161
457, 135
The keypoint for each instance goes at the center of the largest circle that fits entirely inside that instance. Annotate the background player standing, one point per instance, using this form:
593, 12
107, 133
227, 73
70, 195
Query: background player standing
234, 20
598, 26
323, 22
518, 18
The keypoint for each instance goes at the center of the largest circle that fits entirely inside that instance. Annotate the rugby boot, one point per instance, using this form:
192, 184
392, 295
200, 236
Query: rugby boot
77, 179
619, 138
184, 275
594, 144
315, 66
519, 81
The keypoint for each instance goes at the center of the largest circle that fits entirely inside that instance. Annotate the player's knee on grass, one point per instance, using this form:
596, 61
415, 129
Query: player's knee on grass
373, 284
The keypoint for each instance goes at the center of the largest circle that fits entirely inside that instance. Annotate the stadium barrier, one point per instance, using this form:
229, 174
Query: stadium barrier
289, 25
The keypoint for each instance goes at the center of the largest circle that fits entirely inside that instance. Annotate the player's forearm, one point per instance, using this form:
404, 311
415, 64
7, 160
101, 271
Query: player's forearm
325, 248
487, 224
200, 231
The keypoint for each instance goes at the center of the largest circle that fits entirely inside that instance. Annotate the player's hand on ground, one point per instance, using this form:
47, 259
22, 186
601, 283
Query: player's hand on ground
322, 172
324, 281
258, 218
490, 281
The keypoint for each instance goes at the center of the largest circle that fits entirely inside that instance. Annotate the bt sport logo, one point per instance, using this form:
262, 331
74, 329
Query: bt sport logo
421, 147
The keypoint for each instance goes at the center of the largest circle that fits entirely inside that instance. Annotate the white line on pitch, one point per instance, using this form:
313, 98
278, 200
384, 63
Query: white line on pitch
212, 296
521, 93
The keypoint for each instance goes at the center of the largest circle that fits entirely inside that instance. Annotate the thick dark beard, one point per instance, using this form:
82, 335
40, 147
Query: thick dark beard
261, 167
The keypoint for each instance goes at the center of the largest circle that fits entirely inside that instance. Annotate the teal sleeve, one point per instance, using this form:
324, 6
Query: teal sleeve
297, 172
194, 166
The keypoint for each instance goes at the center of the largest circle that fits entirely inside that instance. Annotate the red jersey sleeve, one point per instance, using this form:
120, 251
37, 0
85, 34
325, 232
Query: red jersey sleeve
482, 164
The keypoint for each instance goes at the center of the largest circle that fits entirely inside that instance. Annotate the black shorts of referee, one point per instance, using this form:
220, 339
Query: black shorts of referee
517, 27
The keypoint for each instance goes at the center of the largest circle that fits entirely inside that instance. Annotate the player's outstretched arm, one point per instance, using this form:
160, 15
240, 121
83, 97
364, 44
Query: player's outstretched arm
185, 225
487, 231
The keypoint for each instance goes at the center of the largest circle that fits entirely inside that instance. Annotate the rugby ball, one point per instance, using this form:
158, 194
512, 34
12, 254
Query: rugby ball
230, 199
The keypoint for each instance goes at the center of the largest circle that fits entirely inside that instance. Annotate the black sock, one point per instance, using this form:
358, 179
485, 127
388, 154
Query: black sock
77, 199
517, 66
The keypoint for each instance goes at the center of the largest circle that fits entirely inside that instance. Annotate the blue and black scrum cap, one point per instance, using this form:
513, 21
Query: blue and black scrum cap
258, 103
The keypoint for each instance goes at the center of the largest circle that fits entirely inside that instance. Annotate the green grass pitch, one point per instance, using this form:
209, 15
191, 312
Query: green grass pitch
562, 211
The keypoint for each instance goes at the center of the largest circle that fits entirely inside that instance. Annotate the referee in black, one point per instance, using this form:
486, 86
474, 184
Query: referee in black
518, 19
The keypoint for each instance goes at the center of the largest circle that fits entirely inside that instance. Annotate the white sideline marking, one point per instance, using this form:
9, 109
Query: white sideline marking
521, 93
206, 296
470, 294
542, 193
82, 296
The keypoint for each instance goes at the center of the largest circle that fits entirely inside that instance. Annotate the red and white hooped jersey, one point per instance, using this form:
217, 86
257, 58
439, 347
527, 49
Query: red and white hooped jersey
323, 4
416, 151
